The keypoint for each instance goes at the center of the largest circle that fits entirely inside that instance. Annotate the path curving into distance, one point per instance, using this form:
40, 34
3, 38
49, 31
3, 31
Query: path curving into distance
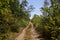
28, 33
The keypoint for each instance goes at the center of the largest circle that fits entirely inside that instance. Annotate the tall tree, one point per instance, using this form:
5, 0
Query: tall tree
52, 23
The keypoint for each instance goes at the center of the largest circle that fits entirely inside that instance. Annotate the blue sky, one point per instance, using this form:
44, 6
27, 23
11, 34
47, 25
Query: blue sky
37, 4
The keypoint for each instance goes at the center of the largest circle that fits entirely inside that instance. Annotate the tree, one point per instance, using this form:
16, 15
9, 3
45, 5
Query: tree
12, 17
52, 23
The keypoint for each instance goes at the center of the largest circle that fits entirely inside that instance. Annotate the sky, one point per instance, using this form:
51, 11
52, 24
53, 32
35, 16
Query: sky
37, 4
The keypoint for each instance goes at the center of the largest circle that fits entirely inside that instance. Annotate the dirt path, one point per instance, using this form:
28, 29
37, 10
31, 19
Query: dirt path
34, 34
22, 35
29, 33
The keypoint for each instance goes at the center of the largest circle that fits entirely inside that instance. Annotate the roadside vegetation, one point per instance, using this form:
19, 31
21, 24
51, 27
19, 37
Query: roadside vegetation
13, 17
49, 23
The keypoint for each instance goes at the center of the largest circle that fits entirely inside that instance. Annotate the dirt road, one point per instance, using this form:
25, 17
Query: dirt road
29, 33
21, 36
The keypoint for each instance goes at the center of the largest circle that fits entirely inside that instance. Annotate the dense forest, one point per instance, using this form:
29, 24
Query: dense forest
15, 16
